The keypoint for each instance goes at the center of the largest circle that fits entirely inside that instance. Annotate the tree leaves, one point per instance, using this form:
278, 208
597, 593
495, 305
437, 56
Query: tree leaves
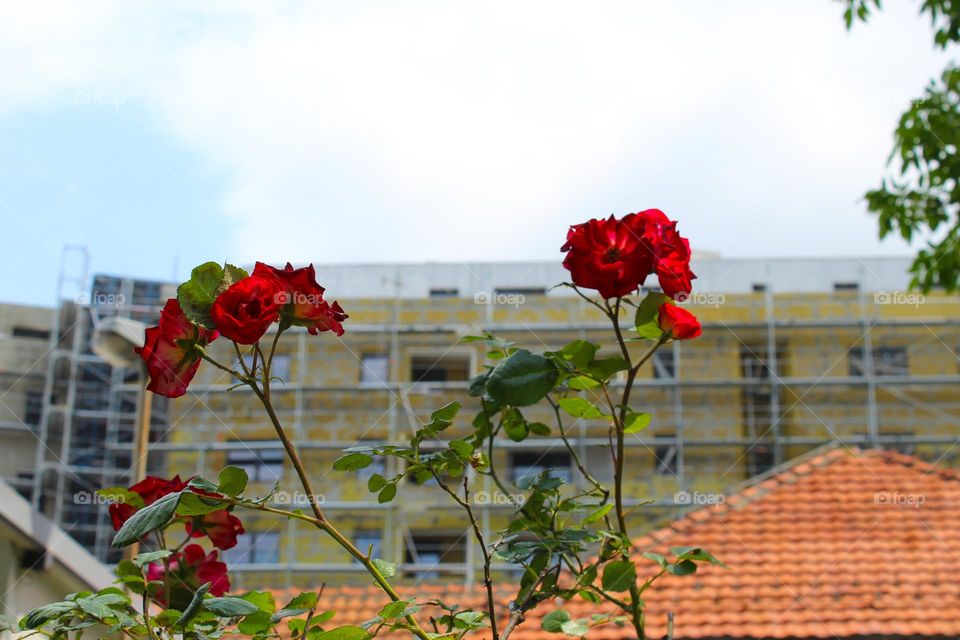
619, 576
232, 481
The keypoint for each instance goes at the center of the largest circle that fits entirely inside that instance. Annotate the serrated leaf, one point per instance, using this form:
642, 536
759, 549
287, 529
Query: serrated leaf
387, 569
554, 620
598, 514
194, 607
574, 628
636, 422
148, 519
394, 609
619, 576
230, 607
522, 379
142, 559
645, 320
580, 408
232, 481
376, 482
346, 632
352, 462
42, 615
387, 494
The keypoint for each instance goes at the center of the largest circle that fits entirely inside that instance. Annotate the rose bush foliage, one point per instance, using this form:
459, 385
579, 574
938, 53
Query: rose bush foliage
566, 544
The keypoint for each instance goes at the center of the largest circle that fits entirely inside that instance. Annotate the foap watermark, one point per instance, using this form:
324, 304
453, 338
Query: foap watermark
899, 298
698, 498
298, 297
99, 98
497, 497
510, 299
899, 499
101, 299
297, 498
86, 497
700, 298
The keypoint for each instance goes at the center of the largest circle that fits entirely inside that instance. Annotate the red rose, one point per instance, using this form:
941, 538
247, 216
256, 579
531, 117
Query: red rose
611, 256
302, 299
168, 351
184, 572
245, 310
679, 323
150, 489
221, 527
671, 251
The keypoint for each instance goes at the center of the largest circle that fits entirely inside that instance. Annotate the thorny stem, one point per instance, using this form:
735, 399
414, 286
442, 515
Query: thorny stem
478, 534
262, 392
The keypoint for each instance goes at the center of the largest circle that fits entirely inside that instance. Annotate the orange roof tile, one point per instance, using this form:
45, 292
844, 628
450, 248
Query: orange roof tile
846, 543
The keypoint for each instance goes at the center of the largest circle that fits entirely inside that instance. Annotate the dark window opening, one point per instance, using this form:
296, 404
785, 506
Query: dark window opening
30, 332
664, 364
255, 547
665, 459
445, 293
33, 408
261, 465
446, 368
520, 291
846, 286
760, 459
759, 287
887, 361
533, 463
432, 551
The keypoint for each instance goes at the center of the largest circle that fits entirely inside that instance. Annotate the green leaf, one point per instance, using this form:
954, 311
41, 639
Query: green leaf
580, 408
230, 607
387, 494
553, 621
656, 557
352, 462
95, 608
387, 569
143, 559
538, 428
522, 379
446, 413
636, 422
306, 600
682, 568
478, 385
376, 482
598, 514
42, 615
515, 426
346, 632
604, 368
579, 352
575, 628
619, 576
263, 599
194, 504
394, 609
197, 294
194, 607
232, 481
148, 519
648, 311
462, 448
469, 620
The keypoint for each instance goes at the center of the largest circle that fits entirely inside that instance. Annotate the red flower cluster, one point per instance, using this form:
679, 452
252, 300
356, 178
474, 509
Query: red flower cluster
221, 527
183, 572
242, 313
169, 351
245, 310
616, 256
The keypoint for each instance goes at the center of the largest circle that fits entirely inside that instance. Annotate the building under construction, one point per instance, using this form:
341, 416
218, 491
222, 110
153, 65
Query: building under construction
795, 353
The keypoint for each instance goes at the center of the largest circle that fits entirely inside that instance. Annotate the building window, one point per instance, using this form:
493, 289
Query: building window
255, 547
529, 464
759, 287
846, 286
887, 361
664, 364
444, 368
261, 465
665, 459
445, 293
33, 409
32, 333
369, 540
430, 551
520, 291
374, 368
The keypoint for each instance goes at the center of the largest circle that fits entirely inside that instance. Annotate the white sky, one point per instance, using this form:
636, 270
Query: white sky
455, 130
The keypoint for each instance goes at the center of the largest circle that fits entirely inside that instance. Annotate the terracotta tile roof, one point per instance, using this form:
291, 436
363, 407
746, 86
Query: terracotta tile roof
842, 544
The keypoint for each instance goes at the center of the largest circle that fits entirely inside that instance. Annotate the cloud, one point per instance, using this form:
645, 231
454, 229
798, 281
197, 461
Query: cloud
454, 131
